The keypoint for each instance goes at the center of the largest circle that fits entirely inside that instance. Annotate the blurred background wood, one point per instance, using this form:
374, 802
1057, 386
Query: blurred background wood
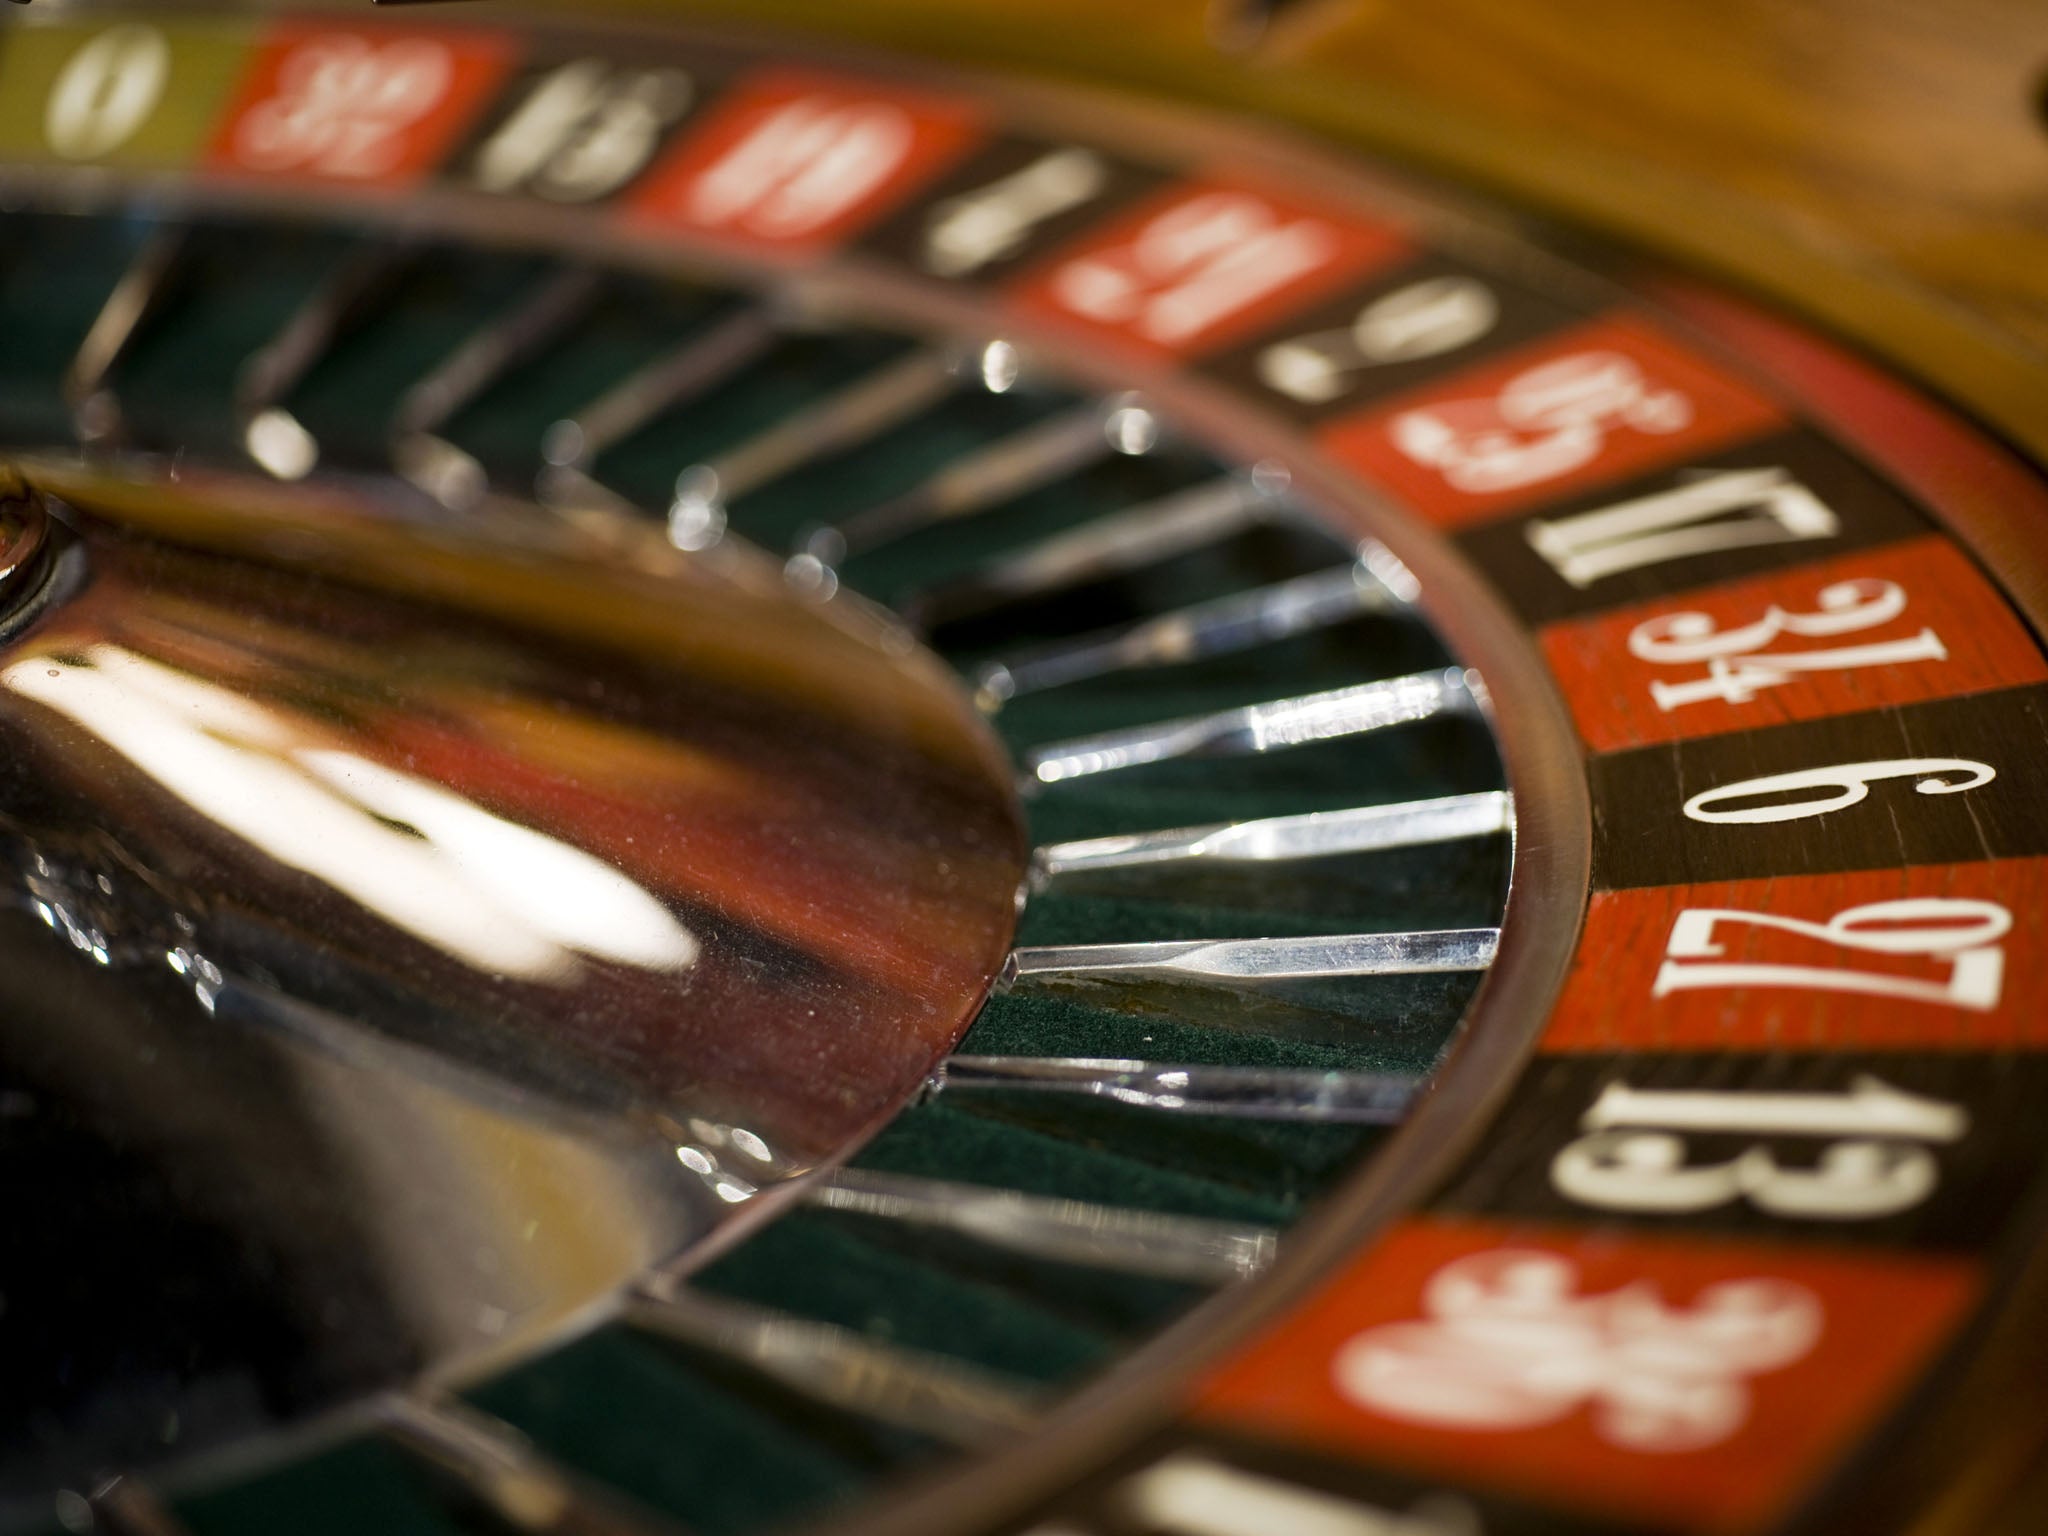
1880, 166
1905, 130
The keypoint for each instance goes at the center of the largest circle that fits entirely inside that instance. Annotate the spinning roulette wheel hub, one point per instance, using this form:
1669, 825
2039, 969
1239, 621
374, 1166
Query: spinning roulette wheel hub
753, 786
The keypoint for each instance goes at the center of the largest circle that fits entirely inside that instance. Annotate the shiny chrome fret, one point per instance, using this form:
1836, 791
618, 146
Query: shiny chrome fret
1151, 1243
1237, 622
271, 435
1254, 728
1318, 834
481, 360
130, 302
911, 1389
885, 398
1250, 1093
1290, 959
1029, 458
431, 462
499, 1468
451, 475
688, 372
1122, 541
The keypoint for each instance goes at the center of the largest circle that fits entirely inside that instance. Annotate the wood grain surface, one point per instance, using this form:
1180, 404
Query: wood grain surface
1906, 131
1880, 166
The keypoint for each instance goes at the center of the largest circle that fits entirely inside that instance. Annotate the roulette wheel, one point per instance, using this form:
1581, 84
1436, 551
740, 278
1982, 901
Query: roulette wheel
985, 769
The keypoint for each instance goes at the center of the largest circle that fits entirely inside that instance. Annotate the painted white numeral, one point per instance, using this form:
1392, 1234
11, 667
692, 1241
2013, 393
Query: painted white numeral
1545, 422
584, 130
343, 105
1510, 1344
807, 163
1961, 931
1871, 1107
1696, 519
1194, 265
106, 91
1876, 1163
1740, 680
1424, 319
1738, 666
966, 233
1847, 784
1191, 1495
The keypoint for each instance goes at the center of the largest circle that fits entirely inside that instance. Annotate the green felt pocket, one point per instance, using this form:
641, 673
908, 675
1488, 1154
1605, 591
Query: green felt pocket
56, 271
629, 1412
353, 1489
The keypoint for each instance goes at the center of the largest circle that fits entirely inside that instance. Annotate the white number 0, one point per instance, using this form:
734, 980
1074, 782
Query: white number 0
106, 91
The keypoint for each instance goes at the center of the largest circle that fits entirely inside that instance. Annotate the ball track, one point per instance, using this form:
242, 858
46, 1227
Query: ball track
1092, 1161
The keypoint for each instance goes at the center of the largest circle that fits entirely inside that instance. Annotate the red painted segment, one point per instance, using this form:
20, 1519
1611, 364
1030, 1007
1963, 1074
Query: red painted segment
1202, 264
1833, 965
1879, 628
371, 106
1589, 406
799, 161
1700, 1385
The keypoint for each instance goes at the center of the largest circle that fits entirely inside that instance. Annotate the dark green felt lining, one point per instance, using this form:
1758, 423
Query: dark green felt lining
948, 1140
1455, 885
1074, 1023
796, 372
628, 1412
895, 572
436, 302
634, 321
973, 621
55, 276
352, 1490
811, 1265
232, 291
1444, 756
703, 1440
840, 485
